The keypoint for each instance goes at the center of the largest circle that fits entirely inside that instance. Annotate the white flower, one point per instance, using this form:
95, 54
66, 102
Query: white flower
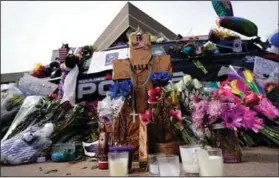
179, 86
187, 79
197, 84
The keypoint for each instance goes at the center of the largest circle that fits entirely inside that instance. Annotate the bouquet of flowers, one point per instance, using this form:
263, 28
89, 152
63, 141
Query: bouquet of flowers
243, 88
220, 118
10, 105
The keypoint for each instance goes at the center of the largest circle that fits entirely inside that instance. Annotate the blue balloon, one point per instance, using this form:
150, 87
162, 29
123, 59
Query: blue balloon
275, 40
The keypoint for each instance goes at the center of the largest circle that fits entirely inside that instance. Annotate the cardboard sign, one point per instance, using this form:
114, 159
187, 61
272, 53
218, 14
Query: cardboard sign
35, 86
122, 67
265, 68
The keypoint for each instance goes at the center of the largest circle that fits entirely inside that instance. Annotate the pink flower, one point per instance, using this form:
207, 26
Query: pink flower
197, 119
227, 93
155, 95
200, 109
201, 106
214, 110
257, 125
146, 117
232, 120
267, 108
248, 118
176, 114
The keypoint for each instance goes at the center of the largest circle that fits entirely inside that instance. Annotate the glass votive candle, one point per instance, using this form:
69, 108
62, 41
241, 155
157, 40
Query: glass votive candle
168, 165
118, 163
189, 157
211, 162
128, 149
153, 164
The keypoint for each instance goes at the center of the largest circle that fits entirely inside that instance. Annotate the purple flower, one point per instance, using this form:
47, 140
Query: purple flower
232, 120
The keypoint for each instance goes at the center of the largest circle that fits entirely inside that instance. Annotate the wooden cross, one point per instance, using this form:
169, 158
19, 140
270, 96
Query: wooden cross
140, 63
138, 68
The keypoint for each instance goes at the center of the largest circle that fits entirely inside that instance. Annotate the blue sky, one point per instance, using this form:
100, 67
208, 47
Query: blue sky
31, 30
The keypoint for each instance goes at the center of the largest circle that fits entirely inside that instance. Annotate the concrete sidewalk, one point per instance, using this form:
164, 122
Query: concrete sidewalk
259, 161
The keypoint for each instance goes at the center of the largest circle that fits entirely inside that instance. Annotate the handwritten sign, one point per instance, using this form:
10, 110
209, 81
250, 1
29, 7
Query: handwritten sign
265, 68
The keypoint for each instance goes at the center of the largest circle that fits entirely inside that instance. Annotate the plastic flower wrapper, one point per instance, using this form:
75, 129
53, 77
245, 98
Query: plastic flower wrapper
105, 110
246, 76
25, 146
28, 106
253, 97
117, 104
266, 108
10, 105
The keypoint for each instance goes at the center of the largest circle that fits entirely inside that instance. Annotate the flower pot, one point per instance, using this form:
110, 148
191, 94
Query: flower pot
171, 148
228, 141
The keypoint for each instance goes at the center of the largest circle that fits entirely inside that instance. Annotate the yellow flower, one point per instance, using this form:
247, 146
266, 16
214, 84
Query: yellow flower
37, 67
248, 76
235, 90
173, 98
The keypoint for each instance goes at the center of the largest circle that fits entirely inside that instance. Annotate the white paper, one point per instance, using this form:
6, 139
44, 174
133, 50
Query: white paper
90, 149
264, 67
102, 60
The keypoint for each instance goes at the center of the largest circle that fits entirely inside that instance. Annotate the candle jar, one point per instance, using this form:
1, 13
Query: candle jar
128, 149
169, 165
211, 162
189, 157
118, 163
153, 164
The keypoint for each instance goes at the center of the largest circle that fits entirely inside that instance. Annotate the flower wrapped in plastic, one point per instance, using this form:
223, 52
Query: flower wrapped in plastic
24, 147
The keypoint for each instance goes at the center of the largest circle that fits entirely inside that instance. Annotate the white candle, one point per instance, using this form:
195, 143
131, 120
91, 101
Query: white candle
118, 167
153, 169
213, 166
190, 159
191, 167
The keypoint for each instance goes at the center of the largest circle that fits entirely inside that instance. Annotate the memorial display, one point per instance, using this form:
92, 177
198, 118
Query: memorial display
148, 105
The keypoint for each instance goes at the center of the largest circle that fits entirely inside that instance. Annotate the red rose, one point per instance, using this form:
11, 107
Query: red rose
251, 99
